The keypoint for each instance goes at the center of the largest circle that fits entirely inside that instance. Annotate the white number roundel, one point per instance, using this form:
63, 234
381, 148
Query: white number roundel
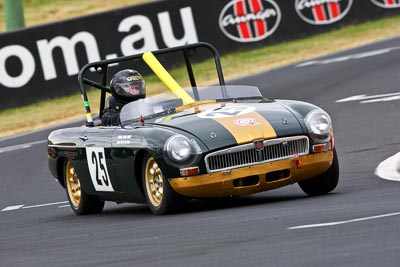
225, 112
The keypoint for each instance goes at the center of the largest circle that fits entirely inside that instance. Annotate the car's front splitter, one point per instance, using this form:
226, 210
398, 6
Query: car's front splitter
253, 179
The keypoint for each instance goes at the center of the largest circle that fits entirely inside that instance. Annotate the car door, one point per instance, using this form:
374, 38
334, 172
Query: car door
125, 145
102, 178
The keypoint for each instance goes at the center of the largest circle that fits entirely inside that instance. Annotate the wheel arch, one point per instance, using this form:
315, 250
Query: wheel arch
60, 170
138, 168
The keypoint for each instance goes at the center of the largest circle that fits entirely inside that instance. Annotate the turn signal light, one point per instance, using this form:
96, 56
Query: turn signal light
189, 171
319, 148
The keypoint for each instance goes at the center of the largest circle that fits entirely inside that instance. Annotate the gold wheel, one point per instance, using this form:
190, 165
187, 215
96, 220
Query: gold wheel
73, 185
154, 182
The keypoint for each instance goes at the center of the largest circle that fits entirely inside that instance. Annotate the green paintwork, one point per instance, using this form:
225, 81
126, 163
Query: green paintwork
113, 170
125, 147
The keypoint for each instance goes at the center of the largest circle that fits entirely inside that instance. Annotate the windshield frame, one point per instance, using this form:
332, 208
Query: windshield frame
167, 103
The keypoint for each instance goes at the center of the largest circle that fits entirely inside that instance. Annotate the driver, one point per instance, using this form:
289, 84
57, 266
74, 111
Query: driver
126, 86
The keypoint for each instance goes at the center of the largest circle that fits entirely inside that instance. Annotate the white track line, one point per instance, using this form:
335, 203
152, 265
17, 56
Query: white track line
348, 57
17, 207
44, 205
388, 169
343, 222
21, 146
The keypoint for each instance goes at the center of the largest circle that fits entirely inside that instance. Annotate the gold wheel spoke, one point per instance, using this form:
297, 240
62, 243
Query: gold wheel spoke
73, 185
154, 182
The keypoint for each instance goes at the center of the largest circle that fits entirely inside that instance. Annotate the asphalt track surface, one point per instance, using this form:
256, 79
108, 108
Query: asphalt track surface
356, 225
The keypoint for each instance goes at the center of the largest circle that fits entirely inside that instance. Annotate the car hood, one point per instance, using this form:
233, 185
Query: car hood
221, 125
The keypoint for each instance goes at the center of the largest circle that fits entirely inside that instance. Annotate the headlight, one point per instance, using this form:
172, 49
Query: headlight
319, 123
178, 148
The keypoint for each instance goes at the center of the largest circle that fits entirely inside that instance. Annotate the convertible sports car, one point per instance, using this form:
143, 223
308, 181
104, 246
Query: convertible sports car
202, 142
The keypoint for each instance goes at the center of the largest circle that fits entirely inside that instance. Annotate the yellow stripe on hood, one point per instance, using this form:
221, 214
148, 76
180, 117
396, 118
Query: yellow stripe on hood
248, 127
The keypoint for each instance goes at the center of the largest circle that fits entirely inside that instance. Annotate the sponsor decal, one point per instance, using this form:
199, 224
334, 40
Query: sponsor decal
123, 139
134, 78
129, 140
387, 3
261, 129
249, 20
124, 136
321, 12
247, 122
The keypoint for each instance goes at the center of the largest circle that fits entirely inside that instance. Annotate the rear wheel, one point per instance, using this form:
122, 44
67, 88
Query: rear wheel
80, 202
323, 183
161, 198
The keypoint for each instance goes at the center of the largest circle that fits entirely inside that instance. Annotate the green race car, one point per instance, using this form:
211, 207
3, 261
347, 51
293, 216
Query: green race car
202, 142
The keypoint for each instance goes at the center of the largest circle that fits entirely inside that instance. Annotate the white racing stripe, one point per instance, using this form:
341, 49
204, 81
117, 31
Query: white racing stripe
21, 146
389, 169
343, 222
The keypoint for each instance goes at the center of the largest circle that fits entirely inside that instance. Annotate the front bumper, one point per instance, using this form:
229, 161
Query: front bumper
253, 179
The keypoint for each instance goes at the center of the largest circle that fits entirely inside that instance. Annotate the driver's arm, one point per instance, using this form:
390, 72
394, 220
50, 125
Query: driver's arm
110, 117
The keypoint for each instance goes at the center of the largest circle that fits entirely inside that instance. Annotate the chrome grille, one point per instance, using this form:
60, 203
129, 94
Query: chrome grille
247, 155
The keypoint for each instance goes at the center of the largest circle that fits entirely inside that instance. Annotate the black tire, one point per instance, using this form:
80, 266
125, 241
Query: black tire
323, 183
80, 202
160, 197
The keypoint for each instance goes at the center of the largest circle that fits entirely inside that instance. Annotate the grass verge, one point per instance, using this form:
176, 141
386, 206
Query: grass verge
45, 11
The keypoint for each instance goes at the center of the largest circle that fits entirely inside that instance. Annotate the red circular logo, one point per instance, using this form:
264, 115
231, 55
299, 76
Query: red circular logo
320, 12
387, 3
259, 145
247, 122
249, 20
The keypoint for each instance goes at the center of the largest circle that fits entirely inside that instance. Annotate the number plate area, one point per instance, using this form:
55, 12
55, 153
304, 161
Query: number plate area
96, 159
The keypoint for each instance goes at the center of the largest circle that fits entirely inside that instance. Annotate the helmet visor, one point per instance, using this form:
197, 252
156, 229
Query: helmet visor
131, 89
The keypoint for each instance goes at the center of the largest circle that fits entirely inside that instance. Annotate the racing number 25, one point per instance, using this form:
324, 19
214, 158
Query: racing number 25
96, 160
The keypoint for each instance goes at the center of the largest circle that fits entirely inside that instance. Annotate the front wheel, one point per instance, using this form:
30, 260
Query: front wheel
161, 198
323, 183
80, 202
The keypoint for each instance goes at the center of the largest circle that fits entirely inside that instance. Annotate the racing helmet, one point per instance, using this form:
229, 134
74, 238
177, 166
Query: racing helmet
128, 85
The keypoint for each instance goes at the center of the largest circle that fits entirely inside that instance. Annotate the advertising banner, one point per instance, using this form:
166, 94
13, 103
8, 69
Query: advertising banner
43, 62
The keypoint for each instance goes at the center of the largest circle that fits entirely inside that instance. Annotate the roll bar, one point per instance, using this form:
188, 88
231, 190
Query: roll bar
103, 65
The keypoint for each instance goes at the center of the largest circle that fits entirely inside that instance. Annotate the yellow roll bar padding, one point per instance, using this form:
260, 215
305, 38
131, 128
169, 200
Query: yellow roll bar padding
166, 78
